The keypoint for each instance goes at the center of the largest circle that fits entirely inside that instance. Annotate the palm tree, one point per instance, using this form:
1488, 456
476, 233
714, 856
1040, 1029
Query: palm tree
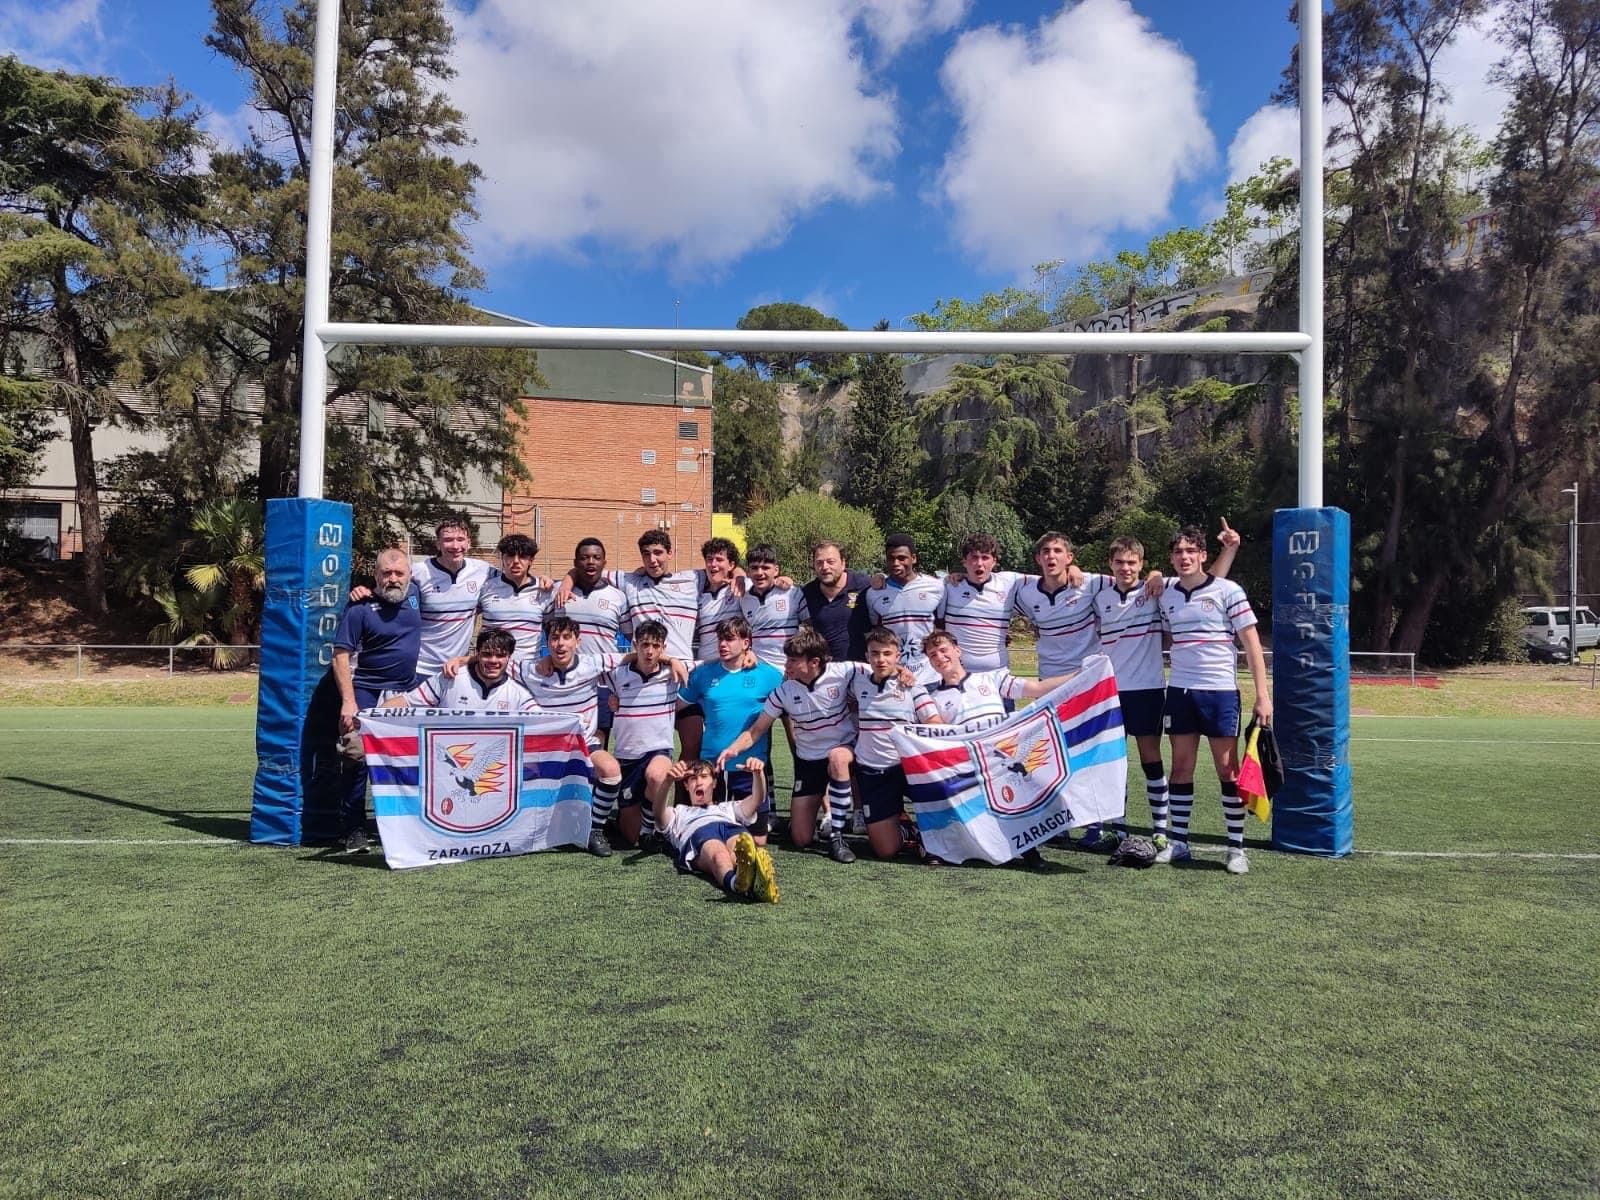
222, 596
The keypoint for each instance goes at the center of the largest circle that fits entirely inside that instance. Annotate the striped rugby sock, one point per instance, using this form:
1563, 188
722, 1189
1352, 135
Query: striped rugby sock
605, 799
647, 820
727, 882
1182, 795
838, 805
1233, 814
1155, 791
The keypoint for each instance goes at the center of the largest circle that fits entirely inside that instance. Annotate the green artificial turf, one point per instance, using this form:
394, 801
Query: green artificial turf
214, 1019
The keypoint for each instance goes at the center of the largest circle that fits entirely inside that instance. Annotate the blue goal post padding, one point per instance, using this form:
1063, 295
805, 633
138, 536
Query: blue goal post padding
1313, 811
308, 576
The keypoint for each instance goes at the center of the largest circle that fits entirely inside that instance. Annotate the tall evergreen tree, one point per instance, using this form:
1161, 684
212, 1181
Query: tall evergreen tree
97, 194
991, 420
747, 426
402, 193
881, 443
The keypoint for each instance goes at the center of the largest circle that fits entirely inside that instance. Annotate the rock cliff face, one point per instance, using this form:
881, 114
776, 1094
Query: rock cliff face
821, 418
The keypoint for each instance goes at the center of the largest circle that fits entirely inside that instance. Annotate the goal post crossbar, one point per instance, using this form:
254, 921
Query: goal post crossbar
579, 337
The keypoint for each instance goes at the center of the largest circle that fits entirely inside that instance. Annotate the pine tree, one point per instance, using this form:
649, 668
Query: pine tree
97, 194
402, 193
881, 443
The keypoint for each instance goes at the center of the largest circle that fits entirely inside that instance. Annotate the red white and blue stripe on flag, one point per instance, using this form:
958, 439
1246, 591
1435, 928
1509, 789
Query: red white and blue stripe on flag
453, 786
993, 793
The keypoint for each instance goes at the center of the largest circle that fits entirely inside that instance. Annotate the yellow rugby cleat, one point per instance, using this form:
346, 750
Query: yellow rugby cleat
744, 863
765, 886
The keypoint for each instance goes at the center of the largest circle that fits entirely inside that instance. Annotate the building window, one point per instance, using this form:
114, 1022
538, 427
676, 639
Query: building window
647, 458
36, 526
689, 431
647, 495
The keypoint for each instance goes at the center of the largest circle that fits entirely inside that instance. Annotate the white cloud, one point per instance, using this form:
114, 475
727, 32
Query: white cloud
66, 33
1068, 133
897, 23
1272, 131
697, 129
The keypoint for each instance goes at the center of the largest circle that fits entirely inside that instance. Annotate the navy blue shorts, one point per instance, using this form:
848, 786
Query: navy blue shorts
883, 792
1210, 713
633, 777
606, 715
1142, 711
716, 831
690, 710
810, 776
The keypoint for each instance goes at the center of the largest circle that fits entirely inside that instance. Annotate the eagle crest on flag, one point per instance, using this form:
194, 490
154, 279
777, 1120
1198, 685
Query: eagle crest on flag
1022, 762
468, 786
478, 775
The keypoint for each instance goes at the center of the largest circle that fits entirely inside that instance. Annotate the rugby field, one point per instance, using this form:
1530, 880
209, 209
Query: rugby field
187, 1015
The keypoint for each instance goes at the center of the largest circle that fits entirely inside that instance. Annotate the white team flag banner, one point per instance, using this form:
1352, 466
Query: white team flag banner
993, 793
452, 786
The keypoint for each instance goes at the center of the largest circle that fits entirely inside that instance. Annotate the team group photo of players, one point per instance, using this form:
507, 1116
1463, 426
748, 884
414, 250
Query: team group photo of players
678, 679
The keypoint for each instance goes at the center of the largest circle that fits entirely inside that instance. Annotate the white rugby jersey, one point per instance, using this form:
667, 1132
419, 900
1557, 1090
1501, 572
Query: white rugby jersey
683, 820
819, 712
715, 607
674, 600
574, 690
1202, 623
517, 610
599, 614
1064, 619
1130, 635
645, 712
449, 603
978, 700
774, 617
466, 693
879, 708
979, 615
909, 612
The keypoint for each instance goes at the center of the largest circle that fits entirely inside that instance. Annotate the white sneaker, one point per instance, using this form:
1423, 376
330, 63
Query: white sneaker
1177, 852
1238, 864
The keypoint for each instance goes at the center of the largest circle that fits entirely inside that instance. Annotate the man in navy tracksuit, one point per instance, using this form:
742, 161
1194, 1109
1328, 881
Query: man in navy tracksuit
384, 634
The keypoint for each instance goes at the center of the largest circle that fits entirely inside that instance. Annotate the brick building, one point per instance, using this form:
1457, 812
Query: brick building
617, 442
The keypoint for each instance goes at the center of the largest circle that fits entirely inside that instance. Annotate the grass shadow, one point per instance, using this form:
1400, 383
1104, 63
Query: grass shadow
233, 828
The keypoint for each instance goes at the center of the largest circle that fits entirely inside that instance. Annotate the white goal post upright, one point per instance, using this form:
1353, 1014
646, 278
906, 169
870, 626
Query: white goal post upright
321, 333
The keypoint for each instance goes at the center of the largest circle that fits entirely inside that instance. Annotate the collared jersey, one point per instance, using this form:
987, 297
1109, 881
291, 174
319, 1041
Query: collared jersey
384, 638
449, 604
819, 712
574, 690
517, 610
773, 616
1203, 623
978, 700
683, 820
674, 600
715, 607
979, 615
731, 700
909, 612
1065, 621
599, 614
646, 705
879, 708
1130, 634
467, 693
833, 618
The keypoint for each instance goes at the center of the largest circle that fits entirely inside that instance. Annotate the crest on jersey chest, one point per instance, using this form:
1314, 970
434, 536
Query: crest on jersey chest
470, 778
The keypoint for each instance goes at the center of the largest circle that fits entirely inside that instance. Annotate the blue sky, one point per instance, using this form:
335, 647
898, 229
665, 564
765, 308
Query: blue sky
685, 161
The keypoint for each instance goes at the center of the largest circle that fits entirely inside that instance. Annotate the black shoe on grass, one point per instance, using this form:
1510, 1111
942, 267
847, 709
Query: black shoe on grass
598, 845
838, 851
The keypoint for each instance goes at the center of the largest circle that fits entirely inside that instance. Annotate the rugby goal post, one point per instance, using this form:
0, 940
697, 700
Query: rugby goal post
308, 538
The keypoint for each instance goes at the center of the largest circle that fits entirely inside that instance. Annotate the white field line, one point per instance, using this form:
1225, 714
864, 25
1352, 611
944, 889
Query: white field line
21, 730
1458, 741
119, 842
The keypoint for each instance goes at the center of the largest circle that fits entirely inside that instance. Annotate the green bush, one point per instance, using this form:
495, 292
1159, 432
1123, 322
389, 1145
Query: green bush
794, 525
964, 514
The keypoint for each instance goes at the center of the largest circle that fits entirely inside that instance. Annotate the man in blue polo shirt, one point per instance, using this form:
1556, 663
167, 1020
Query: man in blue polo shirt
829, 602
383, 634
731, 693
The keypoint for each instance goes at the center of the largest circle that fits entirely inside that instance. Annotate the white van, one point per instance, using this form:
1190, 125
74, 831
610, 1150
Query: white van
1547, 633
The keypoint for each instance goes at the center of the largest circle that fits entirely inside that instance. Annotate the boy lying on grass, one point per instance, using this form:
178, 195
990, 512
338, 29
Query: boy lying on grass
712, 838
